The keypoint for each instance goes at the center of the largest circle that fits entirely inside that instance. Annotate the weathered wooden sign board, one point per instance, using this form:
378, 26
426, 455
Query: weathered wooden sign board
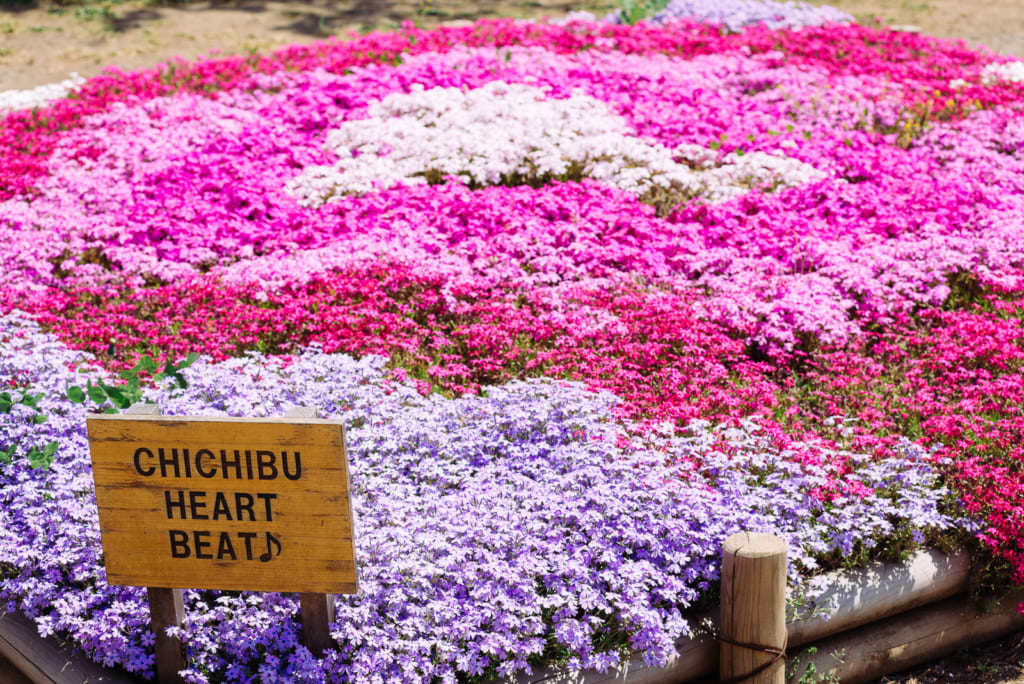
224, 503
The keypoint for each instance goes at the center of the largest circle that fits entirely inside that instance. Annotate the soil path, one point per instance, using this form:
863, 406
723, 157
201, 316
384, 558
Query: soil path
40, 45
44, 44
995, 24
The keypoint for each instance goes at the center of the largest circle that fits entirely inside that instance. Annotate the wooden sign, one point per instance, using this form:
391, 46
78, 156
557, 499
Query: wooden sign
224, 503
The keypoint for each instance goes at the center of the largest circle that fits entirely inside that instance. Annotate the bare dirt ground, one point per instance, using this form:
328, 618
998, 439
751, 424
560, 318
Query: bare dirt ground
40, 44
44, 43
995, 24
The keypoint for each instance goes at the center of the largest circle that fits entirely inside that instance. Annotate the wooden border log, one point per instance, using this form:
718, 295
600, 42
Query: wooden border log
855, 597
907, 640
872, 593
10, 674
865, 595
45, 661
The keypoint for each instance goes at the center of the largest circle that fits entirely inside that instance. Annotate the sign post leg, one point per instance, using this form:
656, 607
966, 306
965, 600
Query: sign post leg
166, 606
166, 609
316, 610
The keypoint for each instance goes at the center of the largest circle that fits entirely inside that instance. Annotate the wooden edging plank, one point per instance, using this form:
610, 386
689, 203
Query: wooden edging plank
44, 661
878, 590
854, 598
880, 594
908, 640
860, 655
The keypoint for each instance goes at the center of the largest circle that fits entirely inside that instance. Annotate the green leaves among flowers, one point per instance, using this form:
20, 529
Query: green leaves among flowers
9, 401
117, 396
122, 395
632, 11
37, 458
42, 458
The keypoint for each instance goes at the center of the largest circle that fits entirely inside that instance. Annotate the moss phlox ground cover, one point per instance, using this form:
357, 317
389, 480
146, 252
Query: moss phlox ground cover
590, 297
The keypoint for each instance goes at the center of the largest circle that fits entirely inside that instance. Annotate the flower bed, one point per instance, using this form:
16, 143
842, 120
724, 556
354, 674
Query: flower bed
590, 297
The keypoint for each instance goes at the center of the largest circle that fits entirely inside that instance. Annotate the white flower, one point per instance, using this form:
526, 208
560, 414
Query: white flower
1008, 71
513, 133
26, 99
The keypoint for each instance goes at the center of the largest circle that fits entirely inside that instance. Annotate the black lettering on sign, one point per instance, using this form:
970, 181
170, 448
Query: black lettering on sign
225, 548
236, 463
184, 545
298, 466
139, 453
220, 507
172, 504
207, 454
239, 464
195, 505
266, 499
201, 545
247, 537
168, 460
248, 500
179, 544
266, 463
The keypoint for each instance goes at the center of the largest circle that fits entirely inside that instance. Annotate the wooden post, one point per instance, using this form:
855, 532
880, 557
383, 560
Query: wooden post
753, 609
167, 609
315, 610
166, 606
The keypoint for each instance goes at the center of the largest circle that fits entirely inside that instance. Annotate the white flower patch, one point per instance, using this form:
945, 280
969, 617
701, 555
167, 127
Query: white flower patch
1008, 71
504, 134
26, 99
739, 174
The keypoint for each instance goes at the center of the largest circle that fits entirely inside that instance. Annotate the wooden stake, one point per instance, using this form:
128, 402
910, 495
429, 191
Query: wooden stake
316, 610
166, 609
166, 606
753, 609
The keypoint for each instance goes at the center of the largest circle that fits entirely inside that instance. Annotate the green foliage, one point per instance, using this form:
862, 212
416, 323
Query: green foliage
122, 395
117, 397
810, 673
37, 457
632, 11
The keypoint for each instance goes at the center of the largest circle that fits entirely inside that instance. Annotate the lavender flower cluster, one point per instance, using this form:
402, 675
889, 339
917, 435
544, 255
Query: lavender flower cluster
493, 532
735, 14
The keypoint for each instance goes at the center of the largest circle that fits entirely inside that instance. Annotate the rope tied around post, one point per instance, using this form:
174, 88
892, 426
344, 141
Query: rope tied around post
779, 653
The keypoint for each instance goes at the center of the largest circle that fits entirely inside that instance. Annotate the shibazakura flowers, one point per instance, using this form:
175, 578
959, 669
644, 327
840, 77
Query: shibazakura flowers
590, 296
491, 530
508, 134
